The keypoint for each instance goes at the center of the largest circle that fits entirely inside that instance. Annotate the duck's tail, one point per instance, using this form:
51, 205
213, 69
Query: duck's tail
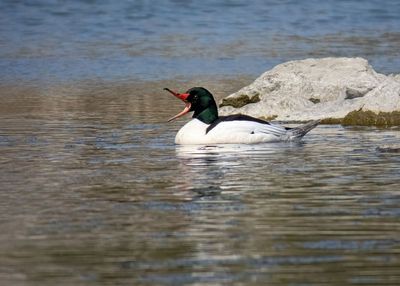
298, 132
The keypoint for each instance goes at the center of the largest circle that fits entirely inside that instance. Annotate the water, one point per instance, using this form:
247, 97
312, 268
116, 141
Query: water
94, 192
62, 40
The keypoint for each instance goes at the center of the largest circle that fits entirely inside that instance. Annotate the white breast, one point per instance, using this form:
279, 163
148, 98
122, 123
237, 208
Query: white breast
193, 132
229, 132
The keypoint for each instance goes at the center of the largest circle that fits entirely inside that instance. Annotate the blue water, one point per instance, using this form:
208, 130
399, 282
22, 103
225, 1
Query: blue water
51, 41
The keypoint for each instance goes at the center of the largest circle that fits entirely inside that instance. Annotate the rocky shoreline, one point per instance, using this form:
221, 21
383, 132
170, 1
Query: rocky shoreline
344, 91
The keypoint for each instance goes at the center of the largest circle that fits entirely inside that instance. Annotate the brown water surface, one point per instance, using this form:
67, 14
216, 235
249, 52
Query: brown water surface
94, 192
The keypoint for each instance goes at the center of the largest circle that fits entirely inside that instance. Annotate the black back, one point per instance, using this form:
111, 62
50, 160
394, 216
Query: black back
240, 117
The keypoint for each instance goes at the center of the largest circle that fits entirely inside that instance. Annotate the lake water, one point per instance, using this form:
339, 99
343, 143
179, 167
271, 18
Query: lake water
47, 40
93, 190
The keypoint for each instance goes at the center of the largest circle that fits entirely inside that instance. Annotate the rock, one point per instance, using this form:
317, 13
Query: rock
396, 77
369, 118
388, 149
240, 100
337, 90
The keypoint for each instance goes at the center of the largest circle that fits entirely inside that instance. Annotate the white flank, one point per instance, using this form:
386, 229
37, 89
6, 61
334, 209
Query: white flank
230, 132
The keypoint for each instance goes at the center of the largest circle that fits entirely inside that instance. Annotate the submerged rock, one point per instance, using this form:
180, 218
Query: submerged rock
337, 90
388, 149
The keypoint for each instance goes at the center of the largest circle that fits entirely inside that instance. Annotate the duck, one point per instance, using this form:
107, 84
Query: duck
207, 127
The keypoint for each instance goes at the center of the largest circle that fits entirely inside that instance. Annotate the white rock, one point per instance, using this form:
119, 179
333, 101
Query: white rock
317, 89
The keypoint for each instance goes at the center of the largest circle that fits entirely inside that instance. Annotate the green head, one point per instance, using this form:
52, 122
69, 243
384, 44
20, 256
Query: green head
203, 104
199, 100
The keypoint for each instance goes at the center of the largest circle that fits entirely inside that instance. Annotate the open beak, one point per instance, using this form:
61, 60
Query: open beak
183, 97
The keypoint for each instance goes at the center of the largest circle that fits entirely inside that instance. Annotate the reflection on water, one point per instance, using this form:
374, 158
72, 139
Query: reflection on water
93, 191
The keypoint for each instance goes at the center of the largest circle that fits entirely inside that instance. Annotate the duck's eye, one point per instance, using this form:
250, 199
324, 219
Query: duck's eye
194, 98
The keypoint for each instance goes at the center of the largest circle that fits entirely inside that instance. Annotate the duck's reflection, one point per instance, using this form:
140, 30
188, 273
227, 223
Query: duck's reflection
220, 167
225, 150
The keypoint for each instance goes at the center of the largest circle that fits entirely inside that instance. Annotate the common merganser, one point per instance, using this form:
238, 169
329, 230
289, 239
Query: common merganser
207, 127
